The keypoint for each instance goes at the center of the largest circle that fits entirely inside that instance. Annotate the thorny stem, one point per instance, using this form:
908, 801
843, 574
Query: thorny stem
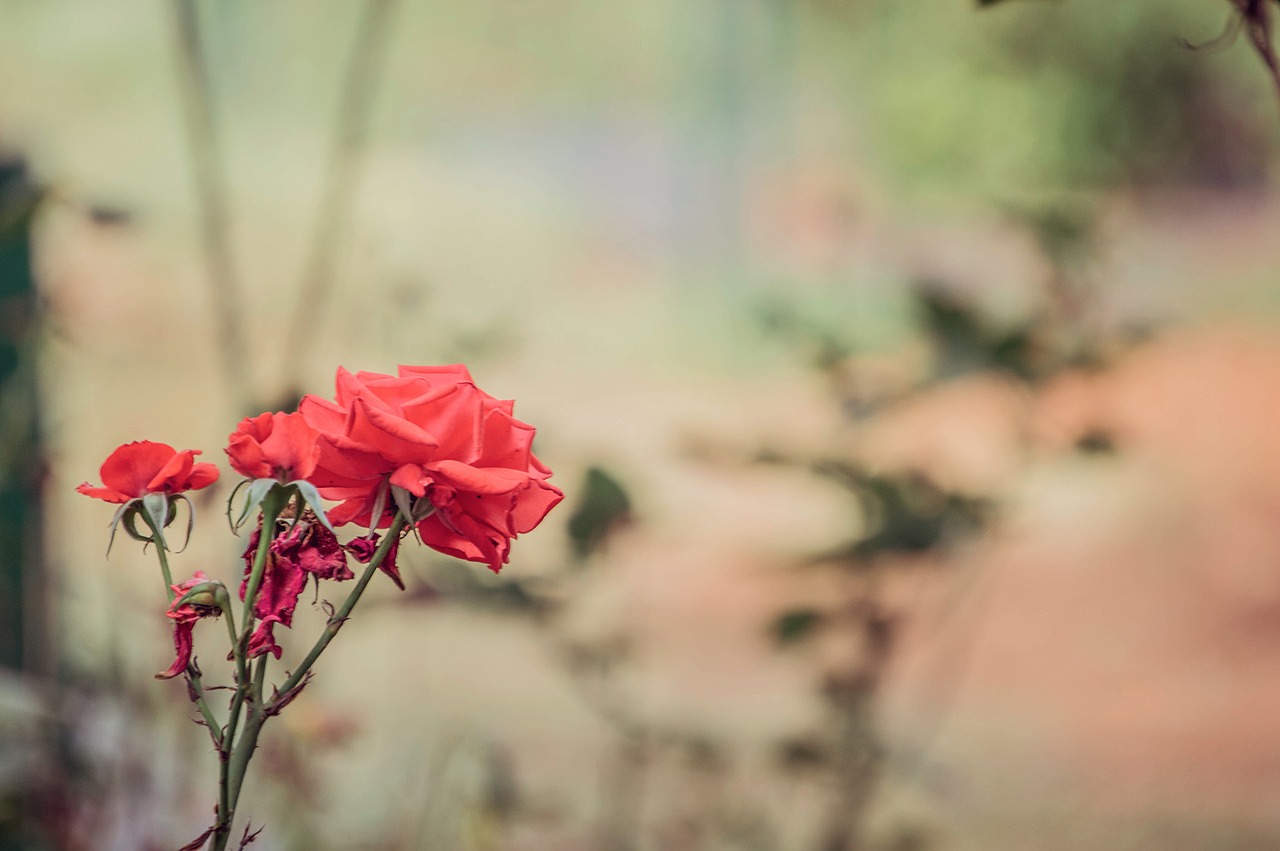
229, 757
249, 741
193, 673
236, 757
340, 616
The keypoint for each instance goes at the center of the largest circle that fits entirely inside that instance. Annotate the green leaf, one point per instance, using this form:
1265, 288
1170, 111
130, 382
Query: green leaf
312, 496
795, 625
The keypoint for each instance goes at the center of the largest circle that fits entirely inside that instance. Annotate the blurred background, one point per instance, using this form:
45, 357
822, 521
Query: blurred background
911, 371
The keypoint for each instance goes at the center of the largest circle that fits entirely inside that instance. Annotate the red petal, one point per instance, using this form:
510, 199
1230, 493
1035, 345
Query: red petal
131, 467
183, 642
486, 480
292, 446
507, 442
455, 371
412, 478
439, 537
263, 640
173, 475
341, 463
322, 415
461, 536
391, 392
352, 387
453, 416
533, 504
244, 447
394, 438
202, 475
103, 493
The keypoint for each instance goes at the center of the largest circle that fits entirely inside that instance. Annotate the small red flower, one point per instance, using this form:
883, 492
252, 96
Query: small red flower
308, 549
137, 469
274, 446
184, 619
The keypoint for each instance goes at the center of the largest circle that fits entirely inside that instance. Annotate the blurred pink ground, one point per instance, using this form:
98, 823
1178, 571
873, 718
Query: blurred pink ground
1127, 611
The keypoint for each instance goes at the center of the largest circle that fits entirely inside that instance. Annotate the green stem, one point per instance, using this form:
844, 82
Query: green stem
230, 757
249, 740
163, 556
193, 673
340, 616
272, 504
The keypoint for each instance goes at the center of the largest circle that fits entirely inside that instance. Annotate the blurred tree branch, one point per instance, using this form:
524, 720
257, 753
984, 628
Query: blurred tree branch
209, 163
1253, 16
351, 132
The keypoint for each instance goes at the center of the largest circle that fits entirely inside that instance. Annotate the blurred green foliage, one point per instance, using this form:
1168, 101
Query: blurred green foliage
602, 505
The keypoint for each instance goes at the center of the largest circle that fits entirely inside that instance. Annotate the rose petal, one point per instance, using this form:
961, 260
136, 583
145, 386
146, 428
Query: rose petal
533, 504
131, 467
106, 494
395, 439
173, 475
487, 480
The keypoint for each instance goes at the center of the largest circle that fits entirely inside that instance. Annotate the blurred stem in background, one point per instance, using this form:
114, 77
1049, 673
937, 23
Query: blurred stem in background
351, 133
22, 616
24, 640
209, 163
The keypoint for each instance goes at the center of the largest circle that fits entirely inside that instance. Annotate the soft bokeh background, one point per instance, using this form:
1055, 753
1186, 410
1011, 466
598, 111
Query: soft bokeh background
924, 355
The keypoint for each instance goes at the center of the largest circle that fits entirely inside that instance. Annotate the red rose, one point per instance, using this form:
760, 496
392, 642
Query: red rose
137, 469
274, 446
433, 433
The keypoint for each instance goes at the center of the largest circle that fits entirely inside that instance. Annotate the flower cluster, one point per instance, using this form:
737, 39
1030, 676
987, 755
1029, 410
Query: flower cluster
422, 452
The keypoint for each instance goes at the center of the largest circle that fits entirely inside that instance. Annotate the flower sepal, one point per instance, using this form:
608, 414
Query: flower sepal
414, 508
158, 511
282, 493
198, 597
212, 594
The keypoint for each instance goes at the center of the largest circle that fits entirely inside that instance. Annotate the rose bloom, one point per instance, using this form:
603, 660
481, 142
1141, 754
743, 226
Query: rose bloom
274, 446
432, 432
137, 469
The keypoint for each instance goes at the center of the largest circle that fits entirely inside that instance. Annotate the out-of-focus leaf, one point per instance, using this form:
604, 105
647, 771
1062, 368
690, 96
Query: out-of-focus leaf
106, 214
803, 753
603, 505
1096, 441
965, 343
796, 625
904, 512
